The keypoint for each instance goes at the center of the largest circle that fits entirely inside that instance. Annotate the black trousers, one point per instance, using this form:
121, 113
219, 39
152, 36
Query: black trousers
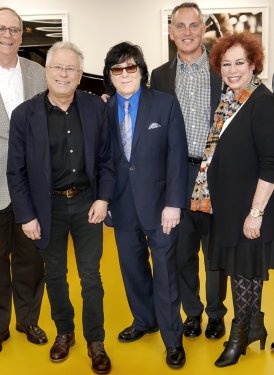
70, 215
194, 232
21, 274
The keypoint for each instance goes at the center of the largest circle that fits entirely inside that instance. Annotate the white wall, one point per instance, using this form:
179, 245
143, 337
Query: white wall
96, 25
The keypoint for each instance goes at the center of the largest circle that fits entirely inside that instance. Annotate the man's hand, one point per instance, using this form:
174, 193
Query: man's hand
170, 218
105, 97
97, 212
32, 229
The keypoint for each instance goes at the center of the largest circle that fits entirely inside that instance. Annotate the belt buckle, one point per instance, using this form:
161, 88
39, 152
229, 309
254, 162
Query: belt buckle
69, 193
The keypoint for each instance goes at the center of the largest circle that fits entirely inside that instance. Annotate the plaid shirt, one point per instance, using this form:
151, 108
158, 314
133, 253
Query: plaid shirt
192, 86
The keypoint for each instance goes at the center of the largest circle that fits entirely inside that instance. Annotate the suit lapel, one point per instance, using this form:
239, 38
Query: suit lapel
143, 111
3, 113
115, 128
88, 122
39, 127
171, 77
26, 79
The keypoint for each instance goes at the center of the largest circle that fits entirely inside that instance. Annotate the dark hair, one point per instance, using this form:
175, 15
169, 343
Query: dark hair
184, 6
117, 55
250, 43
16, 14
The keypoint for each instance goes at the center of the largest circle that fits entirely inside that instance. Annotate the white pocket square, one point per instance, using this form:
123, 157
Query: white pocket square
154, 125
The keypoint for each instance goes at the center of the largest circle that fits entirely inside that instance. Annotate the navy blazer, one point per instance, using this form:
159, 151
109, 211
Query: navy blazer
156, 175
29, 164
163, 79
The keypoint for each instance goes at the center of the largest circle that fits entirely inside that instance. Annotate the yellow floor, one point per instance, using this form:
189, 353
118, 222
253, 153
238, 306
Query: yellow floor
146, 356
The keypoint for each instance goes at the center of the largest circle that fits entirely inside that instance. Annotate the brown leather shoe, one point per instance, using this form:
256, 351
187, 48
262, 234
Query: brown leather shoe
100, 361
60, 349
34, 333
3, 337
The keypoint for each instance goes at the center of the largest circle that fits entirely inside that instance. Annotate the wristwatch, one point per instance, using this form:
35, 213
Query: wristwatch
255, 212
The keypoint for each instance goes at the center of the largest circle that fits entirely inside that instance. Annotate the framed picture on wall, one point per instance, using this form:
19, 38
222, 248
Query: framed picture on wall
221, 21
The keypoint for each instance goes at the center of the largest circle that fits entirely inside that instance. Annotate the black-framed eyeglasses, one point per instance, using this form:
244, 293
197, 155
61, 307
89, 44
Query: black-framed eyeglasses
117, 70
12, 30
67, 69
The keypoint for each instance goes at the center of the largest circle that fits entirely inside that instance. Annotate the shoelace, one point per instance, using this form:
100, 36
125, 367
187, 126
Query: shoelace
98, 349
37, 330
61, 339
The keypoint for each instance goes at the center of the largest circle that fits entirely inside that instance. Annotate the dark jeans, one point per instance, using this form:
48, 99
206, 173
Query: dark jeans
21, 273
70, 215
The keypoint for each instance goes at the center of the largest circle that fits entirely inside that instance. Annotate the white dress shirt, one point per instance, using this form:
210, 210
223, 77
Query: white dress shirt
11, 88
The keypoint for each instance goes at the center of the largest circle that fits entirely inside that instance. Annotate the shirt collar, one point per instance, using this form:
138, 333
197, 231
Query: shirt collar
16, 68
50, 107
133, 100
197, 65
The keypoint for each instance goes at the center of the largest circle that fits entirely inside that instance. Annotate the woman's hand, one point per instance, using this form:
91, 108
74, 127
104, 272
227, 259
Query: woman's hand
252, 226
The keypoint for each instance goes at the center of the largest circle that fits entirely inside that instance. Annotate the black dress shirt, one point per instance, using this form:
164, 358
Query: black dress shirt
66, 147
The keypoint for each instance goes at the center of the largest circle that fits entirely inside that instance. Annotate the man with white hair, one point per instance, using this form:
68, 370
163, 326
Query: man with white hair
60, 174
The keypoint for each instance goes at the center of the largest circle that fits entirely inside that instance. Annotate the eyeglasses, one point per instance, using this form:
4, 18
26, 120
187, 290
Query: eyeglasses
192, 27
12, 30
117, 71
68, 69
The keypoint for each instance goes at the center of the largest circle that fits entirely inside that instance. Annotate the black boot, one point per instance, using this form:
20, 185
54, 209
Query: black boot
256, 330
236, 346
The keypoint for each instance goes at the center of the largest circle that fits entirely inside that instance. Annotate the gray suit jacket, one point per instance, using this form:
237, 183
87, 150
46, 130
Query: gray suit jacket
34, 81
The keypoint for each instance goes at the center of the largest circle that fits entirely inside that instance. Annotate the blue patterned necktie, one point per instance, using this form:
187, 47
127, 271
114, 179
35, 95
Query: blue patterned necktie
126, 131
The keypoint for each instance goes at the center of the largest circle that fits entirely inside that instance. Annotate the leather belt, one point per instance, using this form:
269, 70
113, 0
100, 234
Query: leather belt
196, 161
66, 193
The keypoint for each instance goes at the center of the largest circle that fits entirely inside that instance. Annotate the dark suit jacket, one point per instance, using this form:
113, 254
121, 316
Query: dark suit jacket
29, 164
156, 175
163, 79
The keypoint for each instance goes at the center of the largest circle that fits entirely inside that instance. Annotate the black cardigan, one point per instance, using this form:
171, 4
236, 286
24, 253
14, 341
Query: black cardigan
245, 153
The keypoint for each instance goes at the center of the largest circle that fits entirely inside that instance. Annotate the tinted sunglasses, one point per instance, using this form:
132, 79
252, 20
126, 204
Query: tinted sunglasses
116, 71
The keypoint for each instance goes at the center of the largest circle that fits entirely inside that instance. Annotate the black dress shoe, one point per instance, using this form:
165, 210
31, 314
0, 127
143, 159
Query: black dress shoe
60, 349
34, 333
215, 328
3, 337
175, 356
100, 360
130, 334
192, 326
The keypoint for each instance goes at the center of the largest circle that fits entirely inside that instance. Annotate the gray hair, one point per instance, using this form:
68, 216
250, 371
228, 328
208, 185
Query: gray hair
16, 14
187, 5
66, 45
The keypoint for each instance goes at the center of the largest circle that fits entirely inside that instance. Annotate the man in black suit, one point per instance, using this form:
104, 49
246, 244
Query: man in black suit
150, 191
198, 90
61, 177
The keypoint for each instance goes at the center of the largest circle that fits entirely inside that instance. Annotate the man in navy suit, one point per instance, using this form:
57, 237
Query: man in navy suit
198, 90
150, 191
61, 177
